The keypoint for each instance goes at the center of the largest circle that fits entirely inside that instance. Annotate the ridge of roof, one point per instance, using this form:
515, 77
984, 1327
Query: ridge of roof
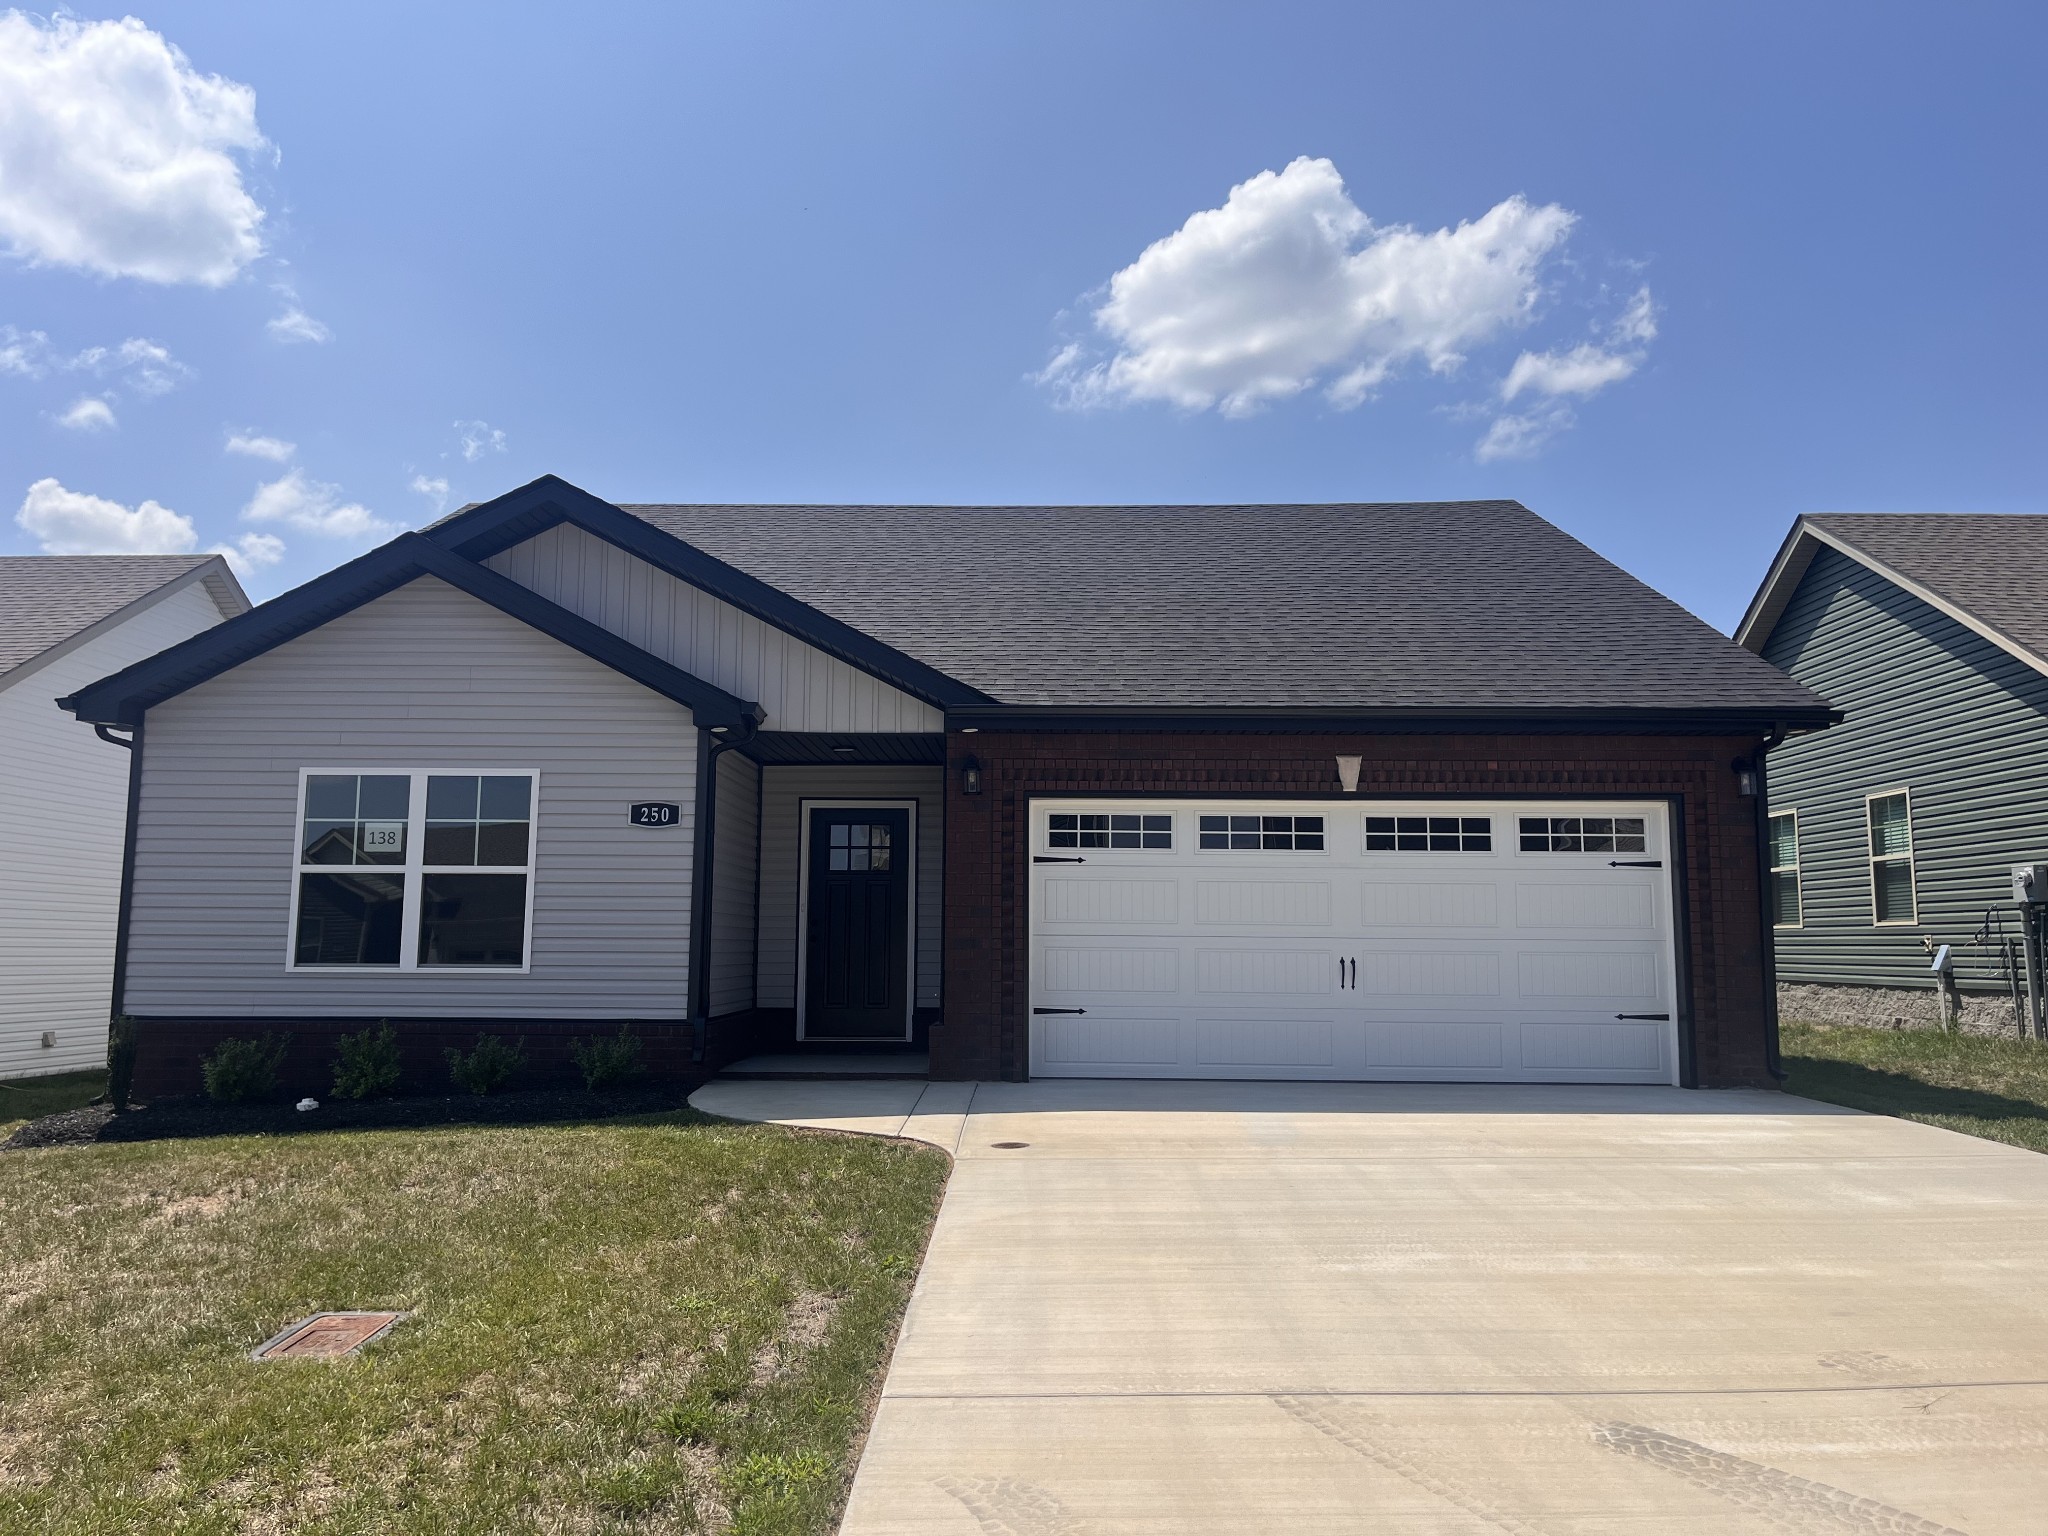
1988, 571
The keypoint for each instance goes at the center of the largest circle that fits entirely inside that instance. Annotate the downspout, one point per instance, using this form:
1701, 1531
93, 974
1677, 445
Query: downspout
132, 743
1773, 1062
709, 751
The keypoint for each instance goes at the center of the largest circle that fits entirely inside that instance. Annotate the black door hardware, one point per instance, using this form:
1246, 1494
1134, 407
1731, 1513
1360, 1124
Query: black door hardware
1059, 1010
1053, 858
1635, 863
1665, 1017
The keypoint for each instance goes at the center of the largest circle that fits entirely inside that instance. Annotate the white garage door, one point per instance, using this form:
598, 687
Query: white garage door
1485, 942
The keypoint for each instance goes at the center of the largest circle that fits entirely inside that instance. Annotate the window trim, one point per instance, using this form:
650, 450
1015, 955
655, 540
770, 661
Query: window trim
1797, 873
1911, 860
414, 871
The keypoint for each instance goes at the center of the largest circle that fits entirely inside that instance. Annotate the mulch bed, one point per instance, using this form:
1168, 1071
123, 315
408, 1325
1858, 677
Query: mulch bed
168, 1119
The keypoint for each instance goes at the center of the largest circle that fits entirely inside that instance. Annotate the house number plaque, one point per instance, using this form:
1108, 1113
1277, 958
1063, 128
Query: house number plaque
655, 813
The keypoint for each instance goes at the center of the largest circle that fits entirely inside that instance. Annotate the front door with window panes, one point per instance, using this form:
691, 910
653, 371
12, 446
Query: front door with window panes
857, 929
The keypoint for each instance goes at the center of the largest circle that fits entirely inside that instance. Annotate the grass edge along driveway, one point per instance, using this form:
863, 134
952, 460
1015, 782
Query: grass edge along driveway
1993, 1088
667, 1324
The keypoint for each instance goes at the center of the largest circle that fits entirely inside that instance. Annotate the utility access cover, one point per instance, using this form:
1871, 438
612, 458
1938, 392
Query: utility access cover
325, 1335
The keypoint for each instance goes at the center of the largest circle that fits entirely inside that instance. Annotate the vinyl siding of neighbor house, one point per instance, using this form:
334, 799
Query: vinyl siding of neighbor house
735, 866
782, 792
424, 678
63, 815
1930, 707
800, 687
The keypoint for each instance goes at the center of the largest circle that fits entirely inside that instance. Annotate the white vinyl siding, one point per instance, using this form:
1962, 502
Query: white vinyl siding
63, 816
782, 792
800, 687
425, 679
735, 851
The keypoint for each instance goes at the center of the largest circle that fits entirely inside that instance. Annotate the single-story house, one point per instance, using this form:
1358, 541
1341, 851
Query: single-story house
1349, 792
1896, 832
65, 620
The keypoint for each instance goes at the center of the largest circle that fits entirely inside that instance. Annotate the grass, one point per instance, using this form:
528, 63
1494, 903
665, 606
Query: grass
665, 1324
1993, 1088
30, 1098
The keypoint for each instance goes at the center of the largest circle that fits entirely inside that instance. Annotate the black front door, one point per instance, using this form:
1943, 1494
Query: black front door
857, 939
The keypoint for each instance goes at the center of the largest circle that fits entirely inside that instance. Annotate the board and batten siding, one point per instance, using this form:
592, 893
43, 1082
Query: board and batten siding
1930, 707
735, 867
782, 792
799, 686
63, 816
424, 678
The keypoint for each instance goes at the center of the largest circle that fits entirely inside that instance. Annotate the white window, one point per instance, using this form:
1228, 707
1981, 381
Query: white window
413, 871
1108, 830
1786, 910
1298, 834
1891, 856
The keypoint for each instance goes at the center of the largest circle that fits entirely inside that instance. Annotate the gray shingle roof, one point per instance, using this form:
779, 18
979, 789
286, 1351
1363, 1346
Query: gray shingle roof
1991, 565
1471, 606
46, 599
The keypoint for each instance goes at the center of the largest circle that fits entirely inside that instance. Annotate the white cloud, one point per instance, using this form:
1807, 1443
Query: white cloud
69, 522
296, 325
1521, 436
479, 438
253, 446
434, 488
88, 413
300, 502
120, 157
250, 553
25, 354
1289, 284
1580, 372
145, 366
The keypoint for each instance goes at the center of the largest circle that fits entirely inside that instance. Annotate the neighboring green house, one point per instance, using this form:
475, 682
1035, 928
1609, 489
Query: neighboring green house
1895, 831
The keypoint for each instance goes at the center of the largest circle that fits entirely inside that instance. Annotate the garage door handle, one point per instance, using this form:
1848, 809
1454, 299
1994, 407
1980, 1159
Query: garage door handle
1635, 863
1053, 858
1059, 1010
1662, 1017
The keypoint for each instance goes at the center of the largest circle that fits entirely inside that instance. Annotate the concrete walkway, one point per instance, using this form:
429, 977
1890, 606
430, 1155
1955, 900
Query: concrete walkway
1190, 1309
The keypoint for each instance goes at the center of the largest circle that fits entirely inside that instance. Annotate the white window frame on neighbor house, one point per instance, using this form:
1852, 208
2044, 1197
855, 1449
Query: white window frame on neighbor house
1792, 869
1901, 792
414, 870
804, 806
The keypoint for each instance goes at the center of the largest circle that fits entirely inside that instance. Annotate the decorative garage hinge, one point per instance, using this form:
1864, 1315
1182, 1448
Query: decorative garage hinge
1059, 1010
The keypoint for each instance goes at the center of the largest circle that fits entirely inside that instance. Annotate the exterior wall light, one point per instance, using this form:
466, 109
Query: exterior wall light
970, 777
1745, 779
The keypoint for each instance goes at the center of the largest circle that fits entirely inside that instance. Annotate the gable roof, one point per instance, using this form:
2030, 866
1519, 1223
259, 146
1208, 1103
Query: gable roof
49, 600
123, 698
1986, 570
1466, 609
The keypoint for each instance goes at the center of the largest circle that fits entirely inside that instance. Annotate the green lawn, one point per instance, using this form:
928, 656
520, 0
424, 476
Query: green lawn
1992, 1088
666, 1324
30, 1098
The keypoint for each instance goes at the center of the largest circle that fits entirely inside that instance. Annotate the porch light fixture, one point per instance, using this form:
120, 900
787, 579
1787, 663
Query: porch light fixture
970, 776
1745, 779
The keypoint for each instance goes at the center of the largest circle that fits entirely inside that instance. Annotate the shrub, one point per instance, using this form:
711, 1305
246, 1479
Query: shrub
121, 1046
240, 1070
366, 1065
489, 1067
607, 1062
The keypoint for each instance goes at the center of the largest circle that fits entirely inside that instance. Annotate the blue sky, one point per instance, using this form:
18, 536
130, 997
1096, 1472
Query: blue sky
1668, 275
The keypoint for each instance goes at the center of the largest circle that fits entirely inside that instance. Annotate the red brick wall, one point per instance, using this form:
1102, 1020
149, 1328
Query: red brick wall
988, 852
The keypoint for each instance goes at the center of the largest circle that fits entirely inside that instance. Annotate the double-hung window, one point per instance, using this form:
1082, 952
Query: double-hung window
1785, 895
1891, 857
414, 871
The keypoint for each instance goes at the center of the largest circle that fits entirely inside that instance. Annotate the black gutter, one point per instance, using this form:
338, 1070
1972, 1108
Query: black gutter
118, 997
703, 849
1393, 721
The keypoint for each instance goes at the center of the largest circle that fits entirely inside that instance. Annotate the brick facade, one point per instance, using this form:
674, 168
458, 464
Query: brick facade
1722, 935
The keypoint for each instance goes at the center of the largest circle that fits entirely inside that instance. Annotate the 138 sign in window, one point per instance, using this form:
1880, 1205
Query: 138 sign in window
655, 813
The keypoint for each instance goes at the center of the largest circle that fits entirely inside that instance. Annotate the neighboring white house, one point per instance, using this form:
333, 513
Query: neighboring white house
64, 621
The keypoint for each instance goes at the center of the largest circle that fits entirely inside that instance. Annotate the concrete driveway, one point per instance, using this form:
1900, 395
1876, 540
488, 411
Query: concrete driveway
1311, 1308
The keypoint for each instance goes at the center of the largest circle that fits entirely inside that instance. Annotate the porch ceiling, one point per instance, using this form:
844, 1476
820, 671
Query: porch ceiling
845, 748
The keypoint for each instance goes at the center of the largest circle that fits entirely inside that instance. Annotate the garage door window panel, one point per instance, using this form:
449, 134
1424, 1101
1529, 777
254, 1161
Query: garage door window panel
1110, 830
1429, 834
1272, 834
1584, 834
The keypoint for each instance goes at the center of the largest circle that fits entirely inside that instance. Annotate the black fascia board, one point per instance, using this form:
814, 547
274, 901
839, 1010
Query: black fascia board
1394, 721
497, 525
123, 698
